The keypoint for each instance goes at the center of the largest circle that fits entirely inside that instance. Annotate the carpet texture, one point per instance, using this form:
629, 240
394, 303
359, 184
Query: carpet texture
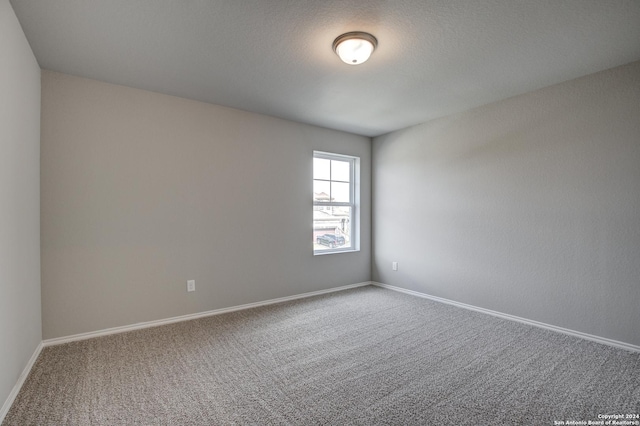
365, 356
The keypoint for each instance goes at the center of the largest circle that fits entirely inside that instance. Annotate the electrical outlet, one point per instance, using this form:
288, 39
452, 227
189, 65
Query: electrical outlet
191, 285
394, 266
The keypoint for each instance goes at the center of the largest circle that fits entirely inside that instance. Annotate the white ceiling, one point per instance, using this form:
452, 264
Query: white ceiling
434, 58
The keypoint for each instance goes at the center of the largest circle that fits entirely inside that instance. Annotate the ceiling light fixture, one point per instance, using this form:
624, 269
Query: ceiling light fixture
355, 47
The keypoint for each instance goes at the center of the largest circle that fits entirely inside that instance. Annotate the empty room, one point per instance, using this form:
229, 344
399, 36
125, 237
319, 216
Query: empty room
265, 212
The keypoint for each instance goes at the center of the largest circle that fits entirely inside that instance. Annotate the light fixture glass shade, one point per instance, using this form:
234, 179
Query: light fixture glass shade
354, 48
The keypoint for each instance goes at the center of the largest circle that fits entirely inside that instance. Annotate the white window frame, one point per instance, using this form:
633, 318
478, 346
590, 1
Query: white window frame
354, 203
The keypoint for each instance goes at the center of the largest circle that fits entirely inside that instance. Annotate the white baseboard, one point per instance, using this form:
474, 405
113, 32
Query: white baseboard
148, 324
23, 376
598, 339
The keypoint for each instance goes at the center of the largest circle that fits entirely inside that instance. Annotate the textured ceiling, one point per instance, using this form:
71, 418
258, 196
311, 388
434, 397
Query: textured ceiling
274, 56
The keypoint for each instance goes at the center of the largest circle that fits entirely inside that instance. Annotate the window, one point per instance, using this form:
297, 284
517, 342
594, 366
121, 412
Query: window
335, 203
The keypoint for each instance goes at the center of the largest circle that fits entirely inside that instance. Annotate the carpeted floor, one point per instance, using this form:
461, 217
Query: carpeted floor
365, 356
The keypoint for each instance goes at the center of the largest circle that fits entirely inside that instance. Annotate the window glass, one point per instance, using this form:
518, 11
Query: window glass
321, 168
321, 191
340, 170
340, 192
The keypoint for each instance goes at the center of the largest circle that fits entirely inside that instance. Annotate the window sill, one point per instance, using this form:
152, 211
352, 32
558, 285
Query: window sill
323, 252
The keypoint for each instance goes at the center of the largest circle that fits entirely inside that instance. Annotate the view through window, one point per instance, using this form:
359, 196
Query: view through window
334, 195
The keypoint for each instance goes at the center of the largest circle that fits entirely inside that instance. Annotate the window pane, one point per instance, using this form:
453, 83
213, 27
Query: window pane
321, 191
340, 192
340, 170
331, 227
321, 168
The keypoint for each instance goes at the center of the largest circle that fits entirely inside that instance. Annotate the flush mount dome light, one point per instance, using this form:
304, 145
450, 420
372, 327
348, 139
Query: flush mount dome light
355, 47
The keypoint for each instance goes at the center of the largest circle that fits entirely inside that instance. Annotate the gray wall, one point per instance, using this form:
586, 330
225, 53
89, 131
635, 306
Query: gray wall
528, 206
20, 330
143, 191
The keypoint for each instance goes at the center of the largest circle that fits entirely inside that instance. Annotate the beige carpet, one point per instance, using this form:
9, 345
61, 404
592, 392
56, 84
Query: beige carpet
364, 356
